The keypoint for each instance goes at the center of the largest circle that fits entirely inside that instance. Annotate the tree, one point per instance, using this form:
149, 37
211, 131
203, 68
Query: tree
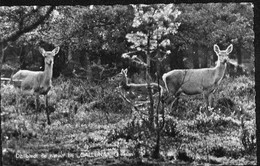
16, 21
238, 28
19, 20
203, 25
153, 24
92, 33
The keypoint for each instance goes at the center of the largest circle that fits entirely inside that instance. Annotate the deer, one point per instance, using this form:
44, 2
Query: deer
133, 88
197, 81
37, 82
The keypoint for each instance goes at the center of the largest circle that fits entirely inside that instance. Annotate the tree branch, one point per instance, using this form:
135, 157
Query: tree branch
134, 59
14, 36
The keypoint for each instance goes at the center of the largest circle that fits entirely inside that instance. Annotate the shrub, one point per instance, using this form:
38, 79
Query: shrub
170, 128
218, 151
185, 155
8, 95
215, 122
248, 137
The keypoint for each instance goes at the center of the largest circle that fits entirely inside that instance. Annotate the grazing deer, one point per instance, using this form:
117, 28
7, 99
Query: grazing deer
197, 81
37, 82
133, 88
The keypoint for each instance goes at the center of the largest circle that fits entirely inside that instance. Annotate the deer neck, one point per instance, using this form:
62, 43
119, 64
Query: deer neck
124, 84
47, 74
220, 71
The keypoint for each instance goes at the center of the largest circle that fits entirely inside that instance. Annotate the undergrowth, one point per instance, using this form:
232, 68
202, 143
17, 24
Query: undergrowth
94, 117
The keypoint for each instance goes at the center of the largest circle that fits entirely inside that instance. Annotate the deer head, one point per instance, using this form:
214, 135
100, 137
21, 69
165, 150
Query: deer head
49, 55
223, 54
122, 76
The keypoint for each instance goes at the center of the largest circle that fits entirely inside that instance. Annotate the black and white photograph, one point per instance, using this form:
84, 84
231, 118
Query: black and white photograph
128, 84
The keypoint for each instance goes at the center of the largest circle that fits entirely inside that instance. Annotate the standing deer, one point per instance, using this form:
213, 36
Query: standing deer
198, 81
37, 82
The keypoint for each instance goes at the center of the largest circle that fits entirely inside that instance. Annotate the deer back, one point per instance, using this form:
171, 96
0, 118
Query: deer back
27, 80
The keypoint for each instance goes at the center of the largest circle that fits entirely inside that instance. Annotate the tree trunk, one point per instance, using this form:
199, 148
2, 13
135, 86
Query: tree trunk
176, 58
239, 57
172, 59
3, 55
69, 54
156, 153
22, 59
180, 59
3, 49
148, 62
195, 56
148, 59
204, 63
89, 69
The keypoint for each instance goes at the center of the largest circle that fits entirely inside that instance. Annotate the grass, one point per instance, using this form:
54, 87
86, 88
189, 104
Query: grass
91, 124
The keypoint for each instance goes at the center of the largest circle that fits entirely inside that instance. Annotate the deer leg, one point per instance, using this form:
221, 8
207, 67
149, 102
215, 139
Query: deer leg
169, 98
37, 106
47, 109
175, 102
205, 96
165, 98
172, 99
211, 98
17, 102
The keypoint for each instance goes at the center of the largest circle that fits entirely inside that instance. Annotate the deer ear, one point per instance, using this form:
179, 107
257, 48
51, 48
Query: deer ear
216, 49
42, 51
230, 48
126, 70
56, 50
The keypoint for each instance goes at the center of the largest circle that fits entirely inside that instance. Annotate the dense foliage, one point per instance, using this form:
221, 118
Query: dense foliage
101, 34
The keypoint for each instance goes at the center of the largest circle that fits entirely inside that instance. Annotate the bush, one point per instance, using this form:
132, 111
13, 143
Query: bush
215, 123
8, 95
248, 135
218, 151
170, 128
185, 155
113, 103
